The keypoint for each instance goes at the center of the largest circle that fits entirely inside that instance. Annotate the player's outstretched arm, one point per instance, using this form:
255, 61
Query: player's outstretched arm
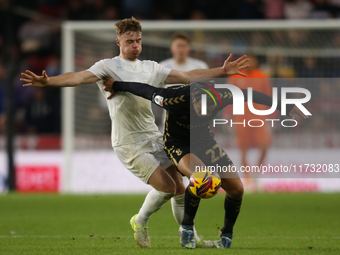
229, 68
63, 80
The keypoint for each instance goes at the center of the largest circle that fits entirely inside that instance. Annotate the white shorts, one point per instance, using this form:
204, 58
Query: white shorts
142, 158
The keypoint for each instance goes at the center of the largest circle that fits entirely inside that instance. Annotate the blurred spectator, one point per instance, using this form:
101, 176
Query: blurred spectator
111, 13
99, 7
79, 10
227, 10
2, 49
277, 66
250, 9
297, 9
138, 9
252, 137
273, 9
53, 66
333, 64
36, 35
297, 38
176, 9
335, 4
322, 10
257, 39
310, 68
40, 114
51, 8
198, 15
2, 99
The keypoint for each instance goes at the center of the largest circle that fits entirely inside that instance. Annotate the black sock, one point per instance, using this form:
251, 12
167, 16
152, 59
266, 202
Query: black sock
190, 207
232, 208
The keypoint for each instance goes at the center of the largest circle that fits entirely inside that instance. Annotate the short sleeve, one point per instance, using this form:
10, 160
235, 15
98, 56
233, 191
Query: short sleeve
204, 65
99, 69
161, 74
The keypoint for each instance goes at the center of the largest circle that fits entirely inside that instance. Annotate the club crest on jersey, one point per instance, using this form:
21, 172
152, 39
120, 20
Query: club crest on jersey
159, 100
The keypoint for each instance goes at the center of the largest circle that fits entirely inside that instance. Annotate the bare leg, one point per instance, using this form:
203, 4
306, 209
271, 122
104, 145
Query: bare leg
177, 201
164, 188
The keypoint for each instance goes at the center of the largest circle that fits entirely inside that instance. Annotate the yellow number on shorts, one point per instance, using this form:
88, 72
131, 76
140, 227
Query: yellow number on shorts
213, 154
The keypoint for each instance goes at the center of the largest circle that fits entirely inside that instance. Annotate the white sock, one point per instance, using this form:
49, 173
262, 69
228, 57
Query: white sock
177, 205
153, 202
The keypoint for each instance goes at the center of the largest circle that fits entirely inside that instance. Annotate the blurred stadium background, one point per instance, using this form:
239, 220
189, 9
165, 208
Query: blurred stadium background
69, 150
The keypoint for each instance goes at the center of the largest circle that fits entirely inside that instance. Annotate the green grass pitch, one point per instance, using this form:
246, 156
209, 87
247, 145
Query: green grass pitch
306, 223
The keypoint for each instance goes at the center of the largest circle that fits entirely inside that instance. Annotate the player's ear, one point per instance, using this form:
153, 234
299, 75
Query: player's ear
118, 42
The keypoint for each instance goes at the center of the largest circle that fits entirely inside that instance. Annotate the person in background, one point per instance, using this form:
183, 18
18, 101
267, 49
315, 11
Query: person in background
246, 136
180, 50
181, 60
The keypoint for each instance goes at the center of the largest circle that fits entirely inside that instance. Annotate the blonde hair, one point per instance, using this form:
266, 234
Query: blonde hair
128, 25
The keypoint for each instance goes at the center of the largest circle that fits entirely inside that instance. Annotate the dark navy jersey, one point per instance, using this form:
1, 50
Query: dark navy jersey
182, 123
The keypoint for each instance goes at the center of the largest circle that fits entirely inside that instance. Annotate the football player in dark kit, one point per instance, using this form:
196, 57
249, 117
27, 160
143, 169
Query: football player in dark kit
189, 142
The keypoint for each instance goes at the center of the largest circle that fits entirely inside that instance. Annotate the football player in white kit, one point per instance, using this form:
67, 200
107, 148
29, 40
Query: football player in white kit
135, 136
180, 50
181, 61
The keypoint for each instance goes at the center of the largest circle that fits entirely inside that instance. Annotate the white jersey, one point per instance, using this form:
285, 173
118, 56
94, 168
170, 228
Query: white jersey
190, 64
131, 116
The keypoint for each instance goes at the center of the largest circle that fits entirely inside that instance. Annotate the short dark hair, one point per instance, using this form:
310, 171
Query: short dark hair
127, 25
181, 35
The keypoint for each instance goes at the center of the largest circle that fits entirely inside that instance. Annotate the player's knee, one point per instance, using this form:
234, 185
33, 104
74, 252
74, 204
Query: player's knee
178, 179
171, 190
180, 189
169, 186
236, 192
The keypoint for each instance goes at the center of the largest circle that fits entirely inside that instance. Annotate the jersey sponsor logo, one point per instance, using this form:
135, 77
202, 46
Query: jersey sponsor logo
159, 100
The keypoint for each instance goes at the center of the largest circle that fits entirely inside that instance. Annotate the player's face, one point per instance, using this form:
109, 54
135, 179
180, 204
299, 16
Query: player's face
198, 109
180, 49
130, 45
